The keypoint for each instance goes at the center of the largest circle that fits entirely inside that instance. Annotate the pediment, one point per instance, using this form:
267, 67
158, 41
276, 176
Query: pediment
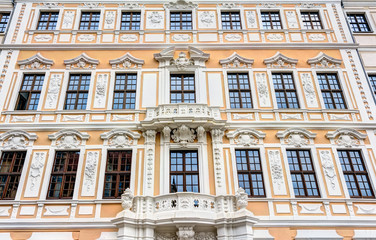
346, 137
126, 61
180, 4
120, 138
246, 136
36, 62
69, 138
324, 61
296, 136
81, 62
17, 139
236, 61
196, 58
280, 61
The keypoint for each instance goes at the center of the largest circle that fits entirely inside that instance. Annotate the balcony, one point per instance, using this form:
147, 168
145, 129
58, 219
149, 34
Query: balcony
194, 114
185, 213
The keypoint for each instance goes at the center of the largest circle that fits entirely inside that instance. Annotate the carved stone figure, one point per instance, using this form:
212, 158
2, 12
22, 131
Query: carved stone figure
36, 169
241, 199
53, 91
127, 199
182, 62
183, 135
186, 233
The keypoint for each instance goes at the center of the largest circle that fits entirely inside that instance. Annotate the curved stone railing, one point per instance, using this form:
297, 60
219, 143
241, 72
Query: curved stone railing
183, 110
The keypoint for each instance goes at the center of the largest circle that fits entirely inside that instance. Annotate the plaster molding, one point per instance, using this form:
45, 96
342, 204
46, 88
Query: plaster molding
346, 137
120, 138
236, 61
126, 61
324, 61
68, 138
280, 61
246, 137
36, 62
17, 139
81, 62
296, 136
180, 4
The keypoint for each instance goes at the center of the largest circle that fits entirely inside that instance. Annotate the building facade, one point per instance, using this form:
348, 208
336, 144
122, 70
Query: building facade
187, 120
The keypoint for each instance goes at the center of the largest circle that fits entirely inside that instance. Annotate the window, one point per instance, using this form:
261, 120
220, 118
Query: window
250, 178
28, 97
118, 173
184, 171
181, 21
63, 175
285, 91
48, 20
11, 165
358, 22
231, 21
331, 91
125, 91
130, 21
311, 20
4, 19
372, 79
355, 174
89, 21
182, 88
78, 90
271, 20
302, 173
239, 90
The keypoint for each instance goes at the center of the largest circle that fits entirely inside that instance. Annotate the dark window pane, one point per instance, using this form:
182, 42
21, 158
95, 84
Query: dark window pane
358, 22
311, 20
89, 21
331, 91
271, 20
285, 91
355, 174
125, 91
130, 21
48, 20
63, 175
4, 19
231, 21
239, 90
77, 92
182, 88
28, 97
118, 173
184, 172
180, 20
372, 79
11, 165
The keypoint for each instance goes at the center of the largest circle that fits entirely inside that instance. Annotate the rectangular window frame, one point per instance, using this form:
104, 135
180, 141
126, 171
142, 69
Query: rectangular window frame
302, 172
270, 20
240, 90
48, 21
366, 19
285, 90
90, 21
131, 21
184, 172
78, 91
4, 24
181, 25
118, 173
231, 21
125, 91
312, 26
331, 91
10, 174
354, 173
372, 80
30, 92
65, 174
249, 172
182, 91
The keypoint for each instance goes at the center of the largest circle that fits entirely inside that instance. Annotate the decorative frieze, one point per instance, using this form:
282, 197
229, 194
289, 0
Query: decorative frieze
101, 91
278, 181
35, 174
181, 5
90, 174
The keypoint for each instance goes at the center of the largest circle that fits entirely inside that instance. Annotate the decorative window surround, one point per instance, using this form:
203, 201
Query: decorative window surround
126, 61
120, 138
317, 235
246, 137
81, 62
324, 61
346, 137
296, 137
236, 61
280, 61
17, 139
36, 62
68, 138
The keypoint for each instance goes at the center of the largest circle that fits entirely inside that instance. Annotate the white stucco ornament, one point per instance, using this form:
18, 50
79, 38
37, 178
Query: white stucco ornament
186, 233
16, 142
296, 139
246, 139
182, 62
183, 135
127, 199
241, 199
120, 141
347, 140
68, 141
